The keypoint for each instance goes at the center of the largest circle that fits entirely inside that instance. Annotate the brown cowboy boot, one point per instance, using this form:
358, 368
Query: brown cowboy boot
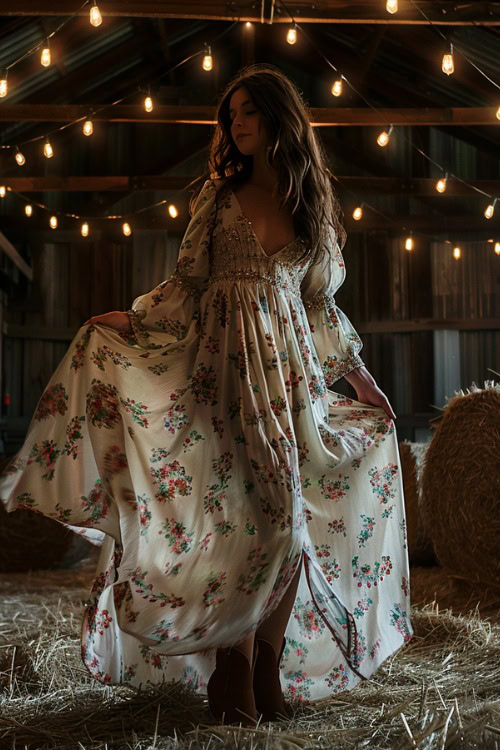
266, 682
230, 688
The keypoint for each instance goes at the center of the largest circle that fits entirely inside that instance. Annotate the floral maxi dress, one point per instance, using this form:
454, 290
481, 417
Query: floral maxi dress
209, 457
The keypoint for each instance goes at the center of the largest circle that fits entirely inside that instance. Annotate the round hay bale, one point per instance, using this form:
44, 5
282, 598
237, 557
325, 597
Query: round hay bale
420, 549
32, 541
461, 486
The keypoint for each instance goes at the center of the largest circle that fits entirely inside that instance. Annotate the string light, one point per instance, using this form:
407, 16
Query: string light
45, 57
291, 36
447, 65
248, 25
148, 102
20, 158
409, 243
127, 231
95, 15
497, 248
441, 183
173, 211
457, 252
498, 112
47, 149
490, 210
392, 6
88, 127
3, 191
4, 86
337, 87
384, 136
207, 59
357, 213
28, 209
53, 222
85, 229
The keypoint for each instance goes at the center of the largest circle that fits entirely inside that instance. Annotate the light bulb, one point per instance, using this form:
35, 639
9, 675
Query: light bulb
20, 158
457, 252
291, 37
148, 104
207, 59
3, 191
4, 87
173, 211
383, 138
85, 229
48, 150
53, 222
497, 248
28, 210
337, 87
447, 65
498, 110
441, 185
127, 231
95, 15
248, 25
45, 58
392, 6
357, 213
409, 243
490, 210
88, 127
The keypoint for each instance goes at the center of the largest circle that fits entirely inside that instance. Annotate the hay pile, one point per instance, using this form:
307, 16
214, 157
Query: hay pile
420, 549
442, 689
461, 487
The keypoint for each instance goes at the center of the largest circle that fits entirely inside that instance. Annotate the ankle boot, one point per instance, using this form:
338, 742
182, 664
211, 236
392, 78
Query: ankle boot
266, 682
230, 688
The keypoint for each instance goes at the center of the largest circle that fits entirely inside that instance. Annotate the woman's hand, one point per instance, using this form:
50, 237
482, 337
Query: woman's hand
368, 391
120, 321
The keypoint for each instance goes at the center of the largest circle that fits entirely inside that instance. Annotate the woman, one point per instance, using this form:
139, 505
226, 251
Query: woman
236, 498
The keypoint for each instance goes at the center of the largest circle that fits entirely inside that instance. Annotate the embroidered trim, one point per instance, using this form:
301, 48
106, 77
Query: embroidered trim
332, 374
318, 301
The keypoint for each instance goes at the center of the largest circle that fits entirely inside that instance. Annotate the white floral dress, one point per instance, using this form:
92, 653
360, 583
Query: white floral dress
208, 455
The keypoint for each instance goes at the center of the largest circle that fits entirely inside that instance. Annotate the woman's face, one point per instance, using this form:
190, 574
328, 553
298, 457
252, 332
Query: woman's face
247, 127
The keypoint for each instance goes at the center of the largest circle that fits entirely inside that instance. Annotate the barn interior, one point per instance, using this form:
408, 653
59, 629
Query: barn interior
97, 150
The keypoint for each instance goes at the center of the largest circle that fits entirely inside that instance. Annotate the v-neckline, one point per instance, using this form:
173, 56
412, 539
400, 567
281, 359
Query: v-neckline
268, 255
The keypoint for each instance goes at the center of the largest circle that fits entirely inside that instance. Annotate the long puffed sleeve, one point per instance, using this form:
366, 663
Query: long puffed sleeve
169, 312
336, 341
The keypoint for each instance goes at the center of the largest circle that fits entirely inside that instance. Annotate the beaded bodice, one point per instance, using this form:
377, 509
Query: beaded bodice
237, 255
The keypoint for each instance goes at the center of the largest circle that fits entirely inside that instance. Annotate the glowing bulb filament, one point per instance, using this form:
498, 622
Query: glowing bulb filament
457, 252
498, 110
337, 87
4, 88
95, 15
28, 210
172, 210
3, 191
48, 150
148, 104
490, 210
497, 248
53, 222
392, 6
127, 231
88, 127
291, 37
45, 58
357, 213
447, 65
409, 243
85, 229
20, 158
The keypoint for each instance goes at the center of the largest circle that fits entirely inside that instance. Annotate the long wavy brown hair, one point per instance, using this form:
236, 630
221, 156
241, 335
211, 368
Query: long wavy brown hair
296, 152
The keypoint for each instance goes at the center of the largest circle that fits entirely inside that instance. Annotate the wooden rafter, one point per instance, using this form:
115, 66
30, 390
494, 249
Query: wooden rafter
204, 114
445, 12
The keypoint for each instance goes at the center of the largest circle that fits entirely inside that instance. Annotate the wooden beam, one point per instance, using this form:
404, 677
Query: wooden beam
9, 249
132, 183
446, 12
205, 115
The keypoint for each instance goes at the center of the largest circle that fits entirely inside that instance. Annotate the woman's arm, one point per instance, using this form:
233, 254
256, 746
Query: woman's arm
368, 391
120, 321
